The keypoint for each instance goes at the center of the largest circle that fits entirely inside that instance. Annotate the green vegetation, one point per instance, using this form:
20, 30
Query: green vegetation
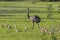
16, 13
34, 0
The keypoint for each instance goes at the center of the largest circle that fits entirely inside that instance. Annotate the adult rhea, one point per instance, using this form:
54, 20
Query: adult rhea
34, 19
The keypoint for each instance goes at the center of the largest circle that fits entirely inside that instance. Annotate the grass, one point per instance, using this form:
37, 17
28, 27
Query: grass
17, 12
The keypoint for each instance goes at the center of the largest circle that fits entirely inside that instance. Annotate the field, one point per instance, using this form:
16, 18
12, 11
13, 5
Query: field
16, 13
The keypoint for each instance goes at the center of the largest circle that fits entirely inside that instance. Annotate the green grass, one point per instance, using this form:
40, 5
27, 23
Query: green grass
17, 12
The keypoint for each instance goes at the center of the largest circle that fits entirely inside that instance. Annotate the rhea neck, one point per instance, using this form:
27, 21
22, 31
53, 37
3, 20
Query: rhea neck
28, 13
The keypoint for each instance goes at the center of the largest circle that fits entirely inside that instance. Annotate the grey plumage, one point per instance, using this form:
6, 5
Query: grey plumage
34, 19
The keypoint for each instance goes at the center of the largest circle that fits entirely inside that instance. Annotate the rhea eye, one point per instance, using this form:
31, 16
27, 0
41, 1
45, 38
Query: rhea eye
34, 18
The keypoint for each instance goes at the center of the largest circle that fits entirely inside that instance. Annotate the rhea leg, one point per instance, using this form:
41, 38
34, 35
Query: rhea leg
38, 26
33, 26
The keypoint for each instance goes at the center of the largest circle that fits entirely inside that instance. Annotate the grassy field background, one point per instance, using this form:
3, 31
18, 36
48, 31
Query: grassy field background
16, 13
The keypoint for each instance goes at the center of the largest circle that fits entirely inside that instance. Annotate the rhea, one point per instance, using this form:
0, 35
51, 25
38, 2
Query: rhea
34, 19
